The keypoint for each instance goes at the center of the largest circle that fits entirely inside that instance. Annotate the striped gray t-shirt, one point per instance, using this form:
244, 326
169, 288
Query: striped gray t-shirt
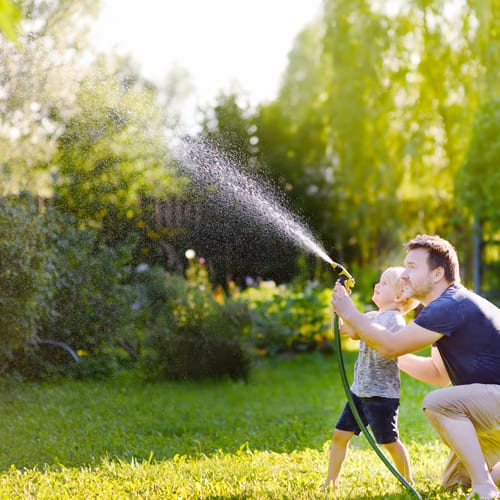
375, 375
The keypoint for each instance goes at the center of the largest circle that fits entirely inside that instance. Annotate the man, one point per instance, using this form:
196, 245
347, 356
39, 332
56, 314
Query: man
464, 330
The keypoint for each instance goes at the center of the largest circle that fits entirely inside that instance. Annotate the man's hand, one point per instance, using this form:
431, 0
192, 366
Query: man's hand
341, 302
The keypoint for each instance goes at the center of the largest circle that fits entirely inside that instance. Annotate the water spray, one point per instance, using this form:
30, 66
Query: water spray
348, 281
208, 168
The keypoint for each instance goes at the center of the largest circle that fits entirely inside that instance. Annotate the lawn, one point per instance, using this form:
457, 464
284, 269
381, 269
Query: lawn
269, 438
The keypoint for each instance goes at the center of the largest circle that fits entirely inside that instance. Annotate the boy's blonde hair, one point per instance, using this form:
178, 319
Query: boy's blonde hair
393, 277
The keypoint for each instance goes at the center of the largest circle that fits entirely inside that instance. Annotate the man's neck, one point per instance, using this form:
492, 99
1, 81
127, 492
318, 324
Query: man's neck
436, 292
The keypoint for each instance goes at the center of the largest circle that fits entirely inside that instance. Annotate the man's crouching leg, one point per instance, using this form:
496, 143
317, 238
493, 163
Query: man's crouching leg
467, 418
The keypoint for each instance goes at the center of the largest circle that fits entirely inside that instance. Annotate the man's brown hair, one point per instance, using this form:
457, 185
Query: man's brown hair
440, 253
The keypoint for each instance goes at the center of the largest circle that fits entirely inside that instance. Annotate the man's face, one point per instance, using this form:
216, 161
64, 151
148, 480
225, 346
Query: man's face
417, 276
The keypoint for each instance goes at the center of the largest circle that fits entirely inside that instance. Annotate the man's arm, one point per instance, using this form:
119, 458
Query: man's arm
391, 345
430, 370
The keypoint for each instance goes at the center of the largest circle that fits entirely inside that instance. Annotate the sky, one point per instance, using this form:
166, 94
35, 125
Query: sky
218, 42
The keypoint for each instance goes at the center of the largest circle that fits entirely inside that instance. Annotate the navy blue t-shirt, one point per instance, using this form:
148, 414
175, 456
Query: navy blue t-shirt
470, 346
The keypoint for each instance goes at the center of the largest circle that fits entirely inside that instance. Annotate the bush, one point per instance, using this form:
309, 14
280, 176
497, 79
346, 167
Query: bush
92, 300
289, 318
25, 265
91, 307
58, 284
190, 335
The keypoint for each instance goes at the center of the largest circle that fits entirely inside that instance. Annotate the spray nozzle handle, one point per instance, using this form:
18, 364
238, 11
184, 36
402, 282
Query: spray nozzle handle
344, 277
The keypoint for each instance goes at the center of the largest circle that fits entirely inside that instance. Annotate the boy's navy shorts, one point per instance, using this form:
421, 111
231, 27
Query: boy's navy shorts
381, 414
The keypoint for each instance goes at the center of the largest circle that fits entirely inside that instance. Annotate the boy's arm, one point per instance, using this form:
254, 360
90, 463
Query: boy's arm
430, 370
344, 328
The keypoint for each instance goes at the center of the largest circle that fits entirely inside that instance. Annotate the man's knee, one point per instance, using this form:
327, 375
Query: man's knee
437, 401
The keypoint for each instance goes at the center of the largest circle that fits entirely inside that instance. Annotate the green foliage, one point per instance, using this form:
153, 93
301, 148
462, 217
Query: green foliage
230, 125
91, 303
189, 334
265, 439
111, 153
25, 262
373, 119
61, 291
478, 182
288, 318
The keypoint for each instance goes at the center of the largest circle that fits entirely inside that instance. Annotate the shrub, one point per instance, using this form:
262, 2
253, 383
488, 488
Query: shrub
91, 306
60, 292
25, 263
190, 335
289, 318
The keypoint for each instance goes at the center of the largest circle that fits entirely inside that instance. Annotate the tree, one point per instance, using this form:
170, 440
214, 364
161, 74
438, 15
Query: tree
112, 153
477, 187
40, 77
386, 103
292, 132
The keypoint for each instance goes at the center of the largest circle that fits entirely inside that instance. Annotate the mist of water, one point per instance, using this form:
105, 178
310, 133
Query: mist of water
255, 200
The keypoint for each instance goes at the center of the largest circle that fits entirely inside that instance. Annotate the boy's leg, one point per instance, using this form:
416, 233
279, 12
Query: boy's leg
401, 459
344, 430
382, 414
467, 419
338, 452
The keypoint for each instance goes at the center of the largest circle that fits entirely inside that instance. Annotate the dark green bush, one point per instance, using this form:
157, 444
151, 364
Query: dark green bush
58, 284
25, 275
289, 318
91, 309
191, 336
92, 300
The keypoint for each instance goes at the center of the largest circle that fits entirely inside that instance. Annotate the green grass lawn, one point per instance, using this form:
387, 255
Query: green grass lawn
123, 438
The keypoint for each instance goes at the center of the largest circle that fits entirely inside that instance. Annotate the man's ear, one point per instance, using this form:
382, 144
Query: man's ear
438, 274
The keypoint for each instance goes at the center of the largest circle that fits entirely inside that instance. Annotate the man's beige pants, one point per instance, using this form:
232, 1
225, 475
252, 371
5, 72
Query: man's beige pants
479, 403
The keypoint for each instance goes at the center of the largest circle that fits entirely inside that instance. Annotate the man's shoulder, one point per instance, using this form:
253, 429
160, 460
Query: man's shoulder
455, 293
459, 294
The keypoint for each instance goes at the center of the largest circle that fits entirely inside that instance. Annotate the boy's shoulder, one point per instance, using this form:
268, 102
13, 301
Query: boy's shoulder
390, 313
393, 319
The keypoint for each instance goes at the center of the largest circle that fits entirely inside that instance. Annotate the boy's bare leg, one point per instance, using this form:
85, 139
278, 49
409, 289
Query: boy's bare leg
338, 452
401, 459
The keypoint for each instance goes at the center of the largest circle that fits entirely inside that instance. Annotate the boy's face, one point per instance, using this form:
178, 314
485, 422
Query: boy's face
384, 294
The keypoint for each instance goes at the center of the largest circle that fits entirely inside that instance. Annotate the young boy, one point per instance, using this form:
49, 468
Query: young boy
376, 386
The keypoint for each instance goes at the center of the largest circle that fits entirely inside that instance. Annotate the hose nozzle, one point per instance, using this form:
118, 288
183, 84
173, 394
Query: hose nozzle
344, 277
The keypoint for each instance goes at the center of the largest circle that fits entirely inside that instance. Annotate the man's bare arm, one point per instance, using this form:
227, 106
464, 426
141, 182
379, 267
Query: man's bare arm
409, 339
426, 369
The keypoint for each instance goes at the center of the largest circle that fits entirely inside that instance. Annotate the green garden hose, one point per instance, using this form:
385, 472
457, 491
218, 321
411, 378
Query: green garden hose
347, 280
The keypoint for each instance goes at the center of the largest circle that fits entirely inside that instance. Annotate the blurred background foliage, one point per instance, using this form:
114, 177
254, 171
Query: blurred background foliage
387, 124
